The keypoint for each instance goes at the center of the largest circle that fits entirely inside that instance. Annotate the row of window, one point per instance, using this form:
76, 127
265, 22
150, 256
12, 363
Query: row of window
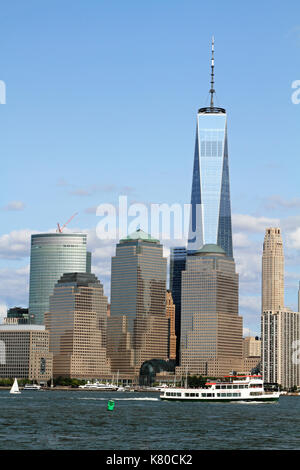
206, 395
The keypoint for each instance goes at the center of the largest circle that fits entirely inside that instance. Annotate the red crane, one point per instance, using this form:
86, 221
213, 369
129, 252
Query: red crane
60, 229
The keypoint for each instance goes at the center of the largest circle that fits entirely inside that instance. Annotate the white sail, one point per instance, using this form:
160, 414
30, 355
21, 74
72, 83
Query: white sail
15, 387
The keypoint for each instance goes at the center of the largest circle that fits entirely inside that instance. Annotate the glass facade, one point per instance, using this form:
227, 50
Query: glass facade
177, 265
51, 256
210, 219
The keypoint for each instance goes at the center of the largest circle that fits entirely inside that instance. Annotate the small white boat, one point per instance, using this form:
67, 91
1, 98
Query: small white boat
99, 386
15, 388
32, 387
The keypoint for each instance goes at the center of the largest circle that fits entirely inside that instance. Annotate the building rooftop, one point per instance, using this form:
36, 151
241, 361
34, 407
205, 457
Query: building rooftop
8, 327
211, 248
140, 235
80, 279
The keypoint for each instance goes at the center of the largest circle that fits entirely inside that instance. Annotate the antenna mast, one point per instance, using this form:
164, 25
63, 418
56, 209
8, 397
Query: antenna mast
212, 91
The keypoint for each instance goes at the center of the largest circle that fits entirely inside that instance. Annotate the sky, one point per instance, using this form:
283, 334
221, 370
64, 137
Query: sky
101, 101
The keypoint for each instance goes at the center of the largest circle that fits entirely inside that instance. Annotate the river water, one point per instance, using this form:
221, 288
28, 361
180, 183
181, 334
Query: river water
140, 421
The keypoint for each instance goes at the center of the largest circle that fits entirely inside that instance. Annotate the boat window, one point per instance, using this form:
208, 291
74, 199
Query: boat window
203, 394
168, 394
197, 394
229, 387
218, 387
229, 394
192, 395
178, 394
235, 386
187, 394
223, 386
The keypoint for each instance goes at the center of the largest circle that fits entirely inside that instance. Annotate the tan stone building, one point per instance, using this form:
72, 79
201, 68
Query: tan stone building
138, 327
170, 314
77, 322
211, 328
251, 346
272, 271
251, 353
24, 352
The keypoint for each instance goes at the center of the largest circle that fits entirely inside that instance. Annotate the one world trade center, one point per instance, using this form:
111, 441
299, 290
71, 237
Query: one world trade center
210, 218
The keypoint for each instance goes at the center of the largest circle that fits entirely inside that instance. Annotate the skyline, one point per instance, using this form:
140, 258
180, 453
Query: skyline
78, 105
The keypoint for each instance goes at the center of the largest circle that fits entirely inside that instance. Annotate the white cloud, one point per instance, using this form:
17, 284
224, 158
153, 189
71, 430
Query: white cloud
252, 224
14, 206
14, 286
3, 312
16, 244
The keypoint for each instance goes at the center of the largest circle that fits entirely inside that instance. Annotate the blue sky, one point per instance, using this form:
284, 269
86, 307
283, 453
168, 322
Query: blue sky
102, 99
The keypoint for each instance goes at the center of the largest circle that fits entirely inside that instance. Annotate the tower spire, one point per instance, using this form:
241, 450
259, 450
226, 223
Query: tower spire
212, 91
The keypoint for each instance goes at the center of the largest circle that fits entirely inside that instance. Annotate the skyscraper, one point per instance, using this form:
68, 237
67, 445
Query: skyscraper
280, 334
177, 265
52, 255
280, 326
77, 322
210, 218
272, 271
211, 328
138, 326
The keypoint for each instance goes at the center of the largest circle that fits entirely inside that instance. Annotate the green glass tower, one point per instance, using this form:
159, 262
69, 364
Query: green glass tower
52, 255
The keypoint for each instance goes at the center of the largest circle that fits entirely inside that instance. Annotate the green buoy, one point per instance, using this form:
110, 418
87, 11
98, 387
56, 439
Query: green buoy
110, 405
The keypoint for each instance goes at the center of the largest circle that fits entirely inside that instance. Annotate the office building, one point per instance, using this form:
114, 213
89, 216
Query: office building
211, 328
138, 327
251, 354
24, 352
52, 255
272, 271
251, 346
177, 265
210, 218
280, 331
170, 315
77, 323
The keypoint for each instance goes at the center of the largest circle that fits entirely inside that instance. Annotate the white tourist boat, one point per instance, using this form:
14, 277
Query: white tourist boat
236, 388
15, 388
32, 387
99, 386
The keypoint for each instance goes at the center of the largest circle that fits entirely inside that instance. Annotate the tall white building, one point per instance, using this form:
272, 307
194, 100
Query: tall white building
280, 330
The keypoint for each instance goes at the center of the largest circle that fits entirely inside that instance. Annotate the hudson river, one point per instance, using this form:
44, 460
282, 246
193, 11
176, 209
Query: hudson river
80, 420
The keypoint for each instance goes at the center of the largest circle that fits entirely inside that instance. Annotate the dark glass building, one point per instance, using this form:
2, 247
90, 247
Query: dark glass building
19, 313
177, 265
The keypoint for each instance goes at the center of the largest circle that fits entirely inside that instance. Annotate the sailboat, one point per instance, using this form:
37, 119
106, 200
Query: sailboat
15, 387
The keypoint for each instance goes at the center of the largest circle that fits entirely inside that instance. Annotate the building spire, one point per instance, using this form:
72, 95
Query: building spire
212, 91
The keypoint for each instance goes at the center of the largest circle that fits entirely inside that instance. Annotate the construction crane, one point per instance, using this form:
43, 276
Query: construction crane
60, 229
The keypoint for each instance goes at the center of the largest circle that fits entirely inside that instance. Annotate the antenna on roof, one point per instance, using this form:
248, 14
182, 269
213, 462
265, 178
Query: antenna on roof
212, 90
